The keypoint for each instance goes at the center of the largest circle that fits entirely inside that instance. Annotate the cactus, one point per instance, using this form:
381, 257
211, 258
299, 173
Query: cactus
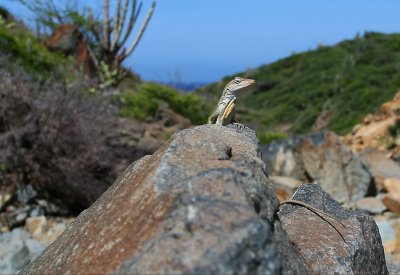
107, 37
114, 39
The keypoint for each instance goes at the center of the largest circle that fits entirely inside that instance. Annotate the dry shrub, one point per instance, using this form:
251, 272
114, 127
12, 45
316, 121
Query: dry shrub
53, 137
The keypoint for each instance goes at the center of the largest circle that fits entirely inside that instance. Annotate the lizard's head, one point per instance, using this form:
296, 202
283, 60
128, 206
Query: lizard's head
240, 84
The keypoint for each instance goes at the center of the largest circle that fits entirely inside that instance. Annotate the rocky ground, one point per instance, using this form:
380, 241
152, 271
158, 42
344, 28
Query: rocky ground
29, 222
368, 182
203, 203
23, 244
360, 171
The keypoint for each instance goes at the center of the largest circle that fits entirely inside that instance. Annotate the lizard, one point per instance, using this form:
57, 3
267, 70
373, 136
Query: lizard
224, 114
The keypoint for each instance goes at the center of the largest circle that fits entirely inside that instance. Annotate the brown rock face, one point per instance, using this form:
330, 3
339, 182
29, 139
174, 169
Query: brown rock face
321, 158
374, 130
334, 167
352, 246
200, 204
68, 39
65, 38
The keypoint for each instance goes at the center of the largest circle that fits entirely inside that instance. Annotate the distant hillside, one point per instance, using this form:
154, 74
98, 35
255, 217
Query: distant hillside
327, 88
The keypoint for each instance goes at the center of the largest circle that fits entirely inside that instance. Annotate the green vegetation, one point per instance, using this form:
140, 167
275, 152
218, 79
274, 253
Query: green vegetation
394, 130
267, 137
346, 81
23, 49
145, 100
107, 36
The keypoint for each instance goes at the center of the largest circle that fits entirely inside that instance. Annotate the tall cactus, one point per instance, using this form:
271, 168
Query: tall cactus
108, 35
114, 38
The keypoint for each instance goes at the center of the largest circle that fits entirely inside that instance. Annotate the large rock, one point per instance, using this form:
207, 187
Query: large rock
320, 158
349, 245
200, 204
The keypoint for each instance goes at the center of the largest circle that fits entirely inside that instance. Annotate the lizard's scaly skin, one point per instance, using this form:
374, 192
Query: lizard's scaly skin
224, 114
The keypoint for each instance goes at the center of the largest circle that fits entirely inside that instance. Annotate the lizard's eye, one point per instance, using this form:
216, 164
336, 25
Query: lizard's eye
238, 79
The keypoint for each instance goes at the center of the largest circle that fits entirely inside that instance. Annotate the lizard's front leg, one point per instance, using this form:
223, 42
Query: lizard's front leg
228, 116
212, 119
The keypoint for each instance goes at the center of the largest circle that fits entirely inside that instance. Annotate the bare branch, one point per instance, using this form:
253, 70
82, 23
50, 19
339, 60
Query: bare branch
120, 25
131, 24
138, 11
92, 25
117, 17
93, 56
142, 29
52, 8
106, 25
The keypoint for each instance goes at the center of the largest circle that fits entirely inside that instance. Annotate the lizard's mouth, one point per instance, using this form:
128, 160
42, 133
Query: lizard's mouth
250, 85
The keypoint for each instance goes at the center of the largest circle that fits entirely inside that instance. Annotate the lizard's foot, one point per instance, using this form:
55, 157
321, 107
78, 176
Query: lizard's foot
238, 125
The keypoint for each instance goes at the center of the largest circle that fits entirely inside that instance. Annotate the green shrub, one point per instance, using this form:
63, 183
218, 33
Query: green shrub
268, 137
137, 105
355, 77
394, 130
145, 101
24, 50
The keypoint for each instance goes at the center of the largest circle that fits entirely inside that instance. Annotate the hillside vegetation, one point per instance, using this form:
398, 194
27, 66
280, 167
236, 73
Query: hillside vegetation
61, 132
338, 84
22, 49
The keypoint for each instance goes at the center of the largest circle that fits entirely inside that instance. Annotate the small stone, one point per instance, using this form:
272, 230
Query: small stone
388, 236
20, 259
17, 249
36, 211
4, 198
45, 231
395, 258
288, 182
282, 194
392, 186
21, 217
26, 193
285, 186
392, 203
371, 205
36, 225
380, 166
386, 231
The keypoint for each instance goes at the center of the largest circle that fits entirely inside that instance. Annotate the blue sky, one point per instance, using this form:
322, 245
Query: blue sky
204, 40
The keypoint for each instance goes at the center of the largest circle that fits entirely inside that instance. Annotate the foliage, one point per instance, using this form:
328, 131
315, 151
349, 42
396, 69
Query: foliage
52, 137
23, 49
108, 77
394, 130
347, 80
268, 137
138, 105
107, 36
144, 102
